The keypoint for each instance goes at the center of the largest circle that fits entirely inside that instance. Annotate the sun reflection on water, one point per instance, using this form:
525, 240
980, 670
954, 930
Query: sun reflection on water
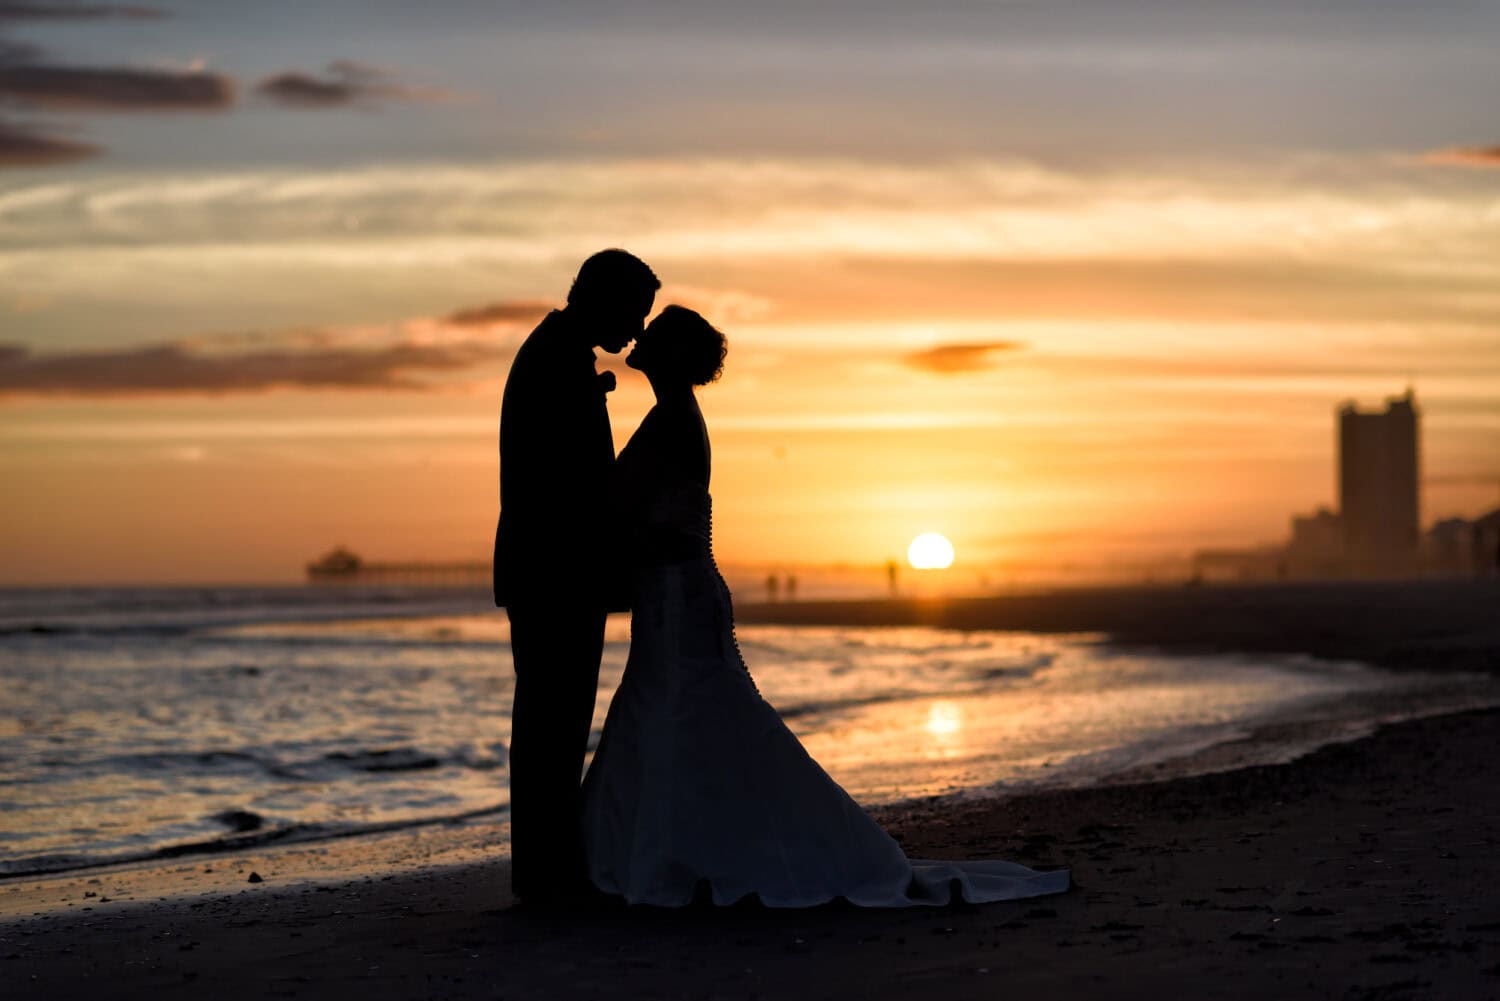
943, 721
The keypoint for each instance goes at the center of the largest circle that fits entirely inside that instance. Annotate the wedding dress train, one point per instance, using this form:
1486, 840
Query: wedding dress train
697, 781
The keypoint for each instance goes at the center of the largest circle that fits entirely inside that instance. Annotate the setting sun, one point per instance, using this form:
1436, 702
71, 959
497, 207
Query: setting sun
930, 551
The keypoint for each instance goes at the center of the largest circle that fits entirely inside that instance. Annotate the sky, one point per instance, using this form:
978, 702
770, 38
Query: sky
1076, 283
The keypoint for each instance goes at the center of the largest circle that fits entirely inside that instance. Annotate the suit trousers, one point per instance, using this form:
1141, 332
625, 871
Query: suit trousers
556, 649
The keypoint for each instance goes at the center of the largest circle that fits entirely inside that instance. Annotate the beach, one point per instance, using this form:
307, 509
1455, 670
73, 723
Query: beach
1363, 870
1360, 870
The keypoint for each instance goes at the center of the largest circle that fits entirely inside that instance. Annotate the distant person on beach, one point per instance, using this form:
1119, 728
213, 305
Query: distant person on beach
553, 572
698, 790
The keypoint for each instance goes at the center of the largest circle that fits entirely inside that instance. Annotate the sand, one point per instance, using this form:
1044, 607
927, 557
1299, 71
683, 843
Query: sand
1363, 870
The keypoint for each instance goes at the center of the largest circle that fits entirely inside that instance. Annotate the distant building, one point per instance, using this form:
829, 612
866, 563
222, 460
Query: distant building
1377, 530
1486, 545
1317, 545
1458, 547
1379, 483
1263, 563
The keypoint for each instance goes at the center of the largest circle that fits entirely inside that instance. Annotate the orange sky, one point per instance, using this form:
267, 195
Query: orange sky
1087, 426
1069, 296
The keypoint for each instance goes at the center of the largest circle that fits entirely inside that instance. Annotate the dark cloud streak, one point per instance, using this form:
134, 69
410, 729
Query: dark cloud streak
345, 84
27, 146
30, 80
178, 368
81, 88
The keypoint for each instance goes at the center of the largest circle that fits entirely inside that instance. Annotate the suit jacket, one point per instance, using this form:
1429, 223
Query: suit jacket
557, 455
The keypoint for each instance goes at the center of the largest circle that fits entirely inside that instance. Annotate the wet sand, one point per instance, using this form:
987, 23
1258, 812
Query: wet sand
1364, 870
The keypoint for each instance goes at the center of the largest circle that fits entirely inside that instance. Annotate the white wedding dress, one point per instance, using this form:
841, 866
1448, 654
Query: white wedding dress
698, 782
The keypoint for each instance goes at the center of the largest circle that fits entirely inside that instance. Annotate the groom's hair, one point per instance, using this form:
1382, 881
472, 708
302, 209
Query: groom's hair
612, 275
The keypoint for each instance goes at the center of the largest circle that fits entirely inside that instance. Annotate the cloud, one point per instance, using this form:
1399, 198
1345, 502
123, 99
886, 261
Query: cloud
27, 146
828, 243
29, 79
184, 367
411, 354
76, 11
342, 85
719, 305
84, 88
509, 311
1465, 156
953, 359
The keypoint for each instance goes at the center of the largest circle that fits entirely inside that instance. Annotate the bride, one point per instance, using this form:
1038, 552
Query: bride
697, 783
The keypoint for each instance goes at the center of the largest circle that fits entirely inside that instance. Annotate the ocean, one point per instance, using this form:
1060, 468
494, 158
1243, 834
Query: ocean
146, 723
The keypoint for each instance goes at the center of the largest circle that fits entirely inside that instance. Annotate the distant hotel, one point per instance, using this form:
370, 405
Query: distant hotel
1378, 488
1376, 532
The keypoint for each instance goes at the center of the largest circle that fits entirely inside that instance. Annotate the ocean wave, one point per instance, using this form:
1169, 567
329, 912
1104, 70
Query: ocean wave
234, 841
378, 759
178, 611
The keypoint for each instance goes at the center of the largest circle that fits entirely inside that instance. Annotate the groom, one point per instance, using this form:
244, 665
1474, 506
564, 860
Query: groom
552, 574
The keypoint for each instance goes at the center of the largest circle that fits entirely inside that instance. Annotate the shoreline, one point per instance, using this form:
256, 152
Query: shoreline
1264, 741
1426, 626
1356, 870
375, 847
482, 837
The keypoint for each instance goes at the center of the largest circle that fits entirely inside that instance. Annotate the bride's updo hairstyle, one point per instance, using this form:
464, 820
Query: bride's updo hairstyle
692, 348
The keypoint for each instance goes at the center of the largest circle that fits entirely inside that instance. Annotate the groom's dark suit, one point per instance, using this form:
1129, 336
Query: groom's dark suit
554, 574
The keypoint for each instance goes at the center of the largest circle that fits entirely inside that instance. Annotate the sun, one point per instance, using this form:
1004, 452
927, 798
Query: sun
930, 551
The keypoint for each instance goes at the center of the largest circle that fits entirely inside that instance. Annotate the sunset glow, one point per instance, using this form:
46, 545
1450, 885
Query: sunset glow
1085, 332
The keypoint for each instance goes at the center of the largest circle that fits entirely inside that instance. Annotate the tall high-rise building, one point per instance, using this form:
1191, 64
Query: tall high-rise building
1378, 487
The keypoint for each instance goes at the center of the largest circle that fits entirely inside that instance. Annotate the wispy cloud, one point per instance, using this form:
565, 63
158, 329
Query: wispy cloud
75, 88
825, 240
342, 84
795, 209
955, 359
31, 146
1466, 156
509, 311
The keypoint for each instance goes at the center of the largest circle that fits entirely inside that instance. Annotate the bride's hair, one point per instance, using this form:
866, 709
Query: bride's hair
697, 346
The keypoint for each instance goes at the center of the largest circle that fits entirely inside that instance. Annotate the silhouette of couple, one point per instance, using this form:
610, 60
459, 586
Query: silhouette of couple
697, 790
